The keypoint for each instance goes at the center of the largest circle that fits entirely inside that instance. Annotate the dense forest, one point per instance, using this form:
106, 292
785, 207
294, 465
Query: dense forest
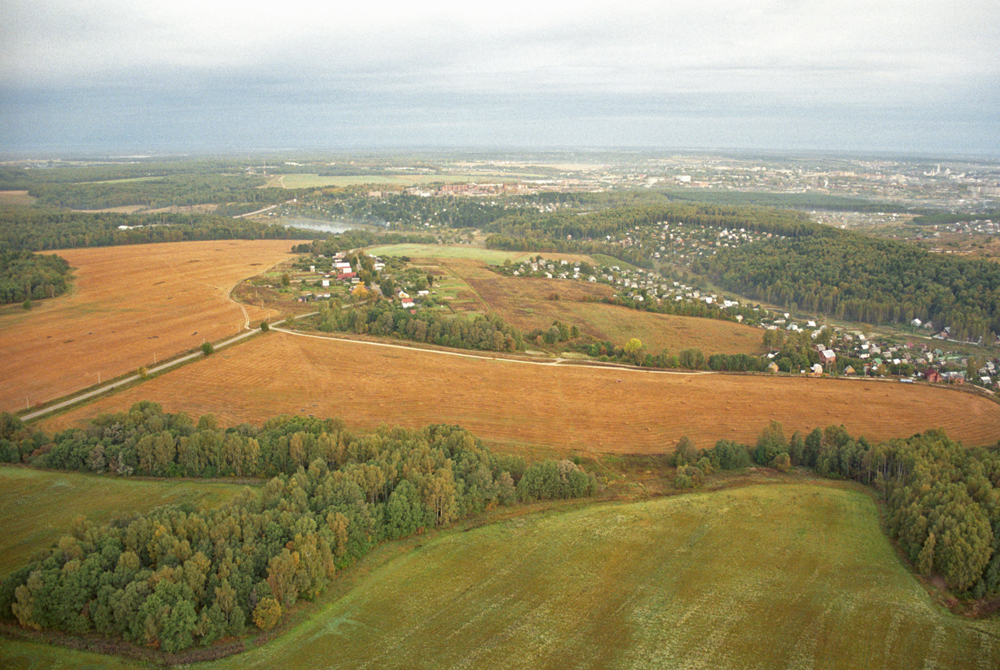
28, 276
593, 232
854, 277
409, 210
178, 576
597, 226
33, 229
157, 192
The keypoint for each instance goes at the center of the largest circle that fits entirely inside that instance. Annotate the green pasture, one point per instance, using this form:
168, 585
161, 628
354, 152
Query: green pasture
772, 576
32, 656
38, 507
488, 256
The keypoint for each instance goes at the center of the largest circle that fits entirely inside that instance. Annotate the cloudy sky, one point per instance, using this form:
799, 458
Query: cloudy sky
914, 76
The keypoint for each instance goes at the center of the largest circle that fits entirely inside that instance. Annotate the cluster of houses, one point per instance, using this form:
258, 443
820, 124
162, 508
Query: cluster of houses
922, 360
686, 242
339, 273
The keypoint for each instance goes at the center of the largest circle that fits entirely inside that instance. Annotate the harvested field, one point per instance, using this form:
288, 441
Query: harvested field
526, 304
565, 408
127, 304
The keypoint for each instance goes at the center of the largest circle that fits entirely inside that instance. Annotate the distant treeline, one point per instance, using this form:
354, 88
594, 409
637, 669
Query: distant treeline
942, 218
157, 192
851, 276
175, 576
800, 201
28, 276
941, 497
33, 229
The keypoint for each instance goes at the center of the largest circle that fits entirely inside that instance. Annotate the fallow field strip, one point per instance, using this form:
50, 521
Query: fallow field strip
127, 305
562, 408
527, 303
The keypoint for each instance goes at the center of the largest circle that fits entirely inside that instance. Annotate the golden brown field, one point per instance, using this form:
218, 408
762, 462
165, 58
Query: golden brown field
127, 304
526, 304
569, 409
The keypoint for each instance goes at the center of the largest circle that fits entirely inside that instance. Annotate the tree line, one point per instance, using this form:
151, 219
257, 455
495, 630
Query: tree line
156, 192
28, 276
178, 576
35, 229
385, 319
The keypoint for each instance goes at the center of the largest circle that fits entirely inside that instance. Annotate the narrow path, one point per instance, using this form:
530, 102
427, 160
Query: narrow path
564, 362
163, 367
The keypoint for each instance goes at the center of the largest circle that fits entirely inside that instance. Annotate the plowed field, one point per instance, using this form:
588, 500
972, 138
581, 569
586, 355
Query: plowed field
566, 408
127, 304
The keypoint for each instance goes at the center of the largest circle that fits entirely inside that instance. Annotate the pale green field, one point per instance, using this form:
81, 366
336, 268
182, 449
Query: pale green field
488, 256
37, 508
30, 656
780, 576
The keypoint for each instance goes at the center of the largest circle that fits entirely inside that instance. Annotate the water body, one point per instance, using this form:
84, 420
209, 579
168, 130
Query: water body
325, 226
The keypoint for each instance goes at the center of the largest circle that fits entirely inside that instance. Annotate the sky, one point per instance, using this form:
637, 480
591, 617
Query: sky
897, 76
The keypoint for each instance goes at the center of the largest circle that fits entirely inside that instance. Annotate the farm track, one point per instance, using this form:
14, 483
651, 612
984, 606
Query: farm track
561, 407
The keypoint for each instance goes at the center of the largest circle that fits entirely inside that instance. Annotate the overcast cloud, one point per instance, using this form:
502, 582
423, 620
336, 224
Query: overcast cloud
184, 75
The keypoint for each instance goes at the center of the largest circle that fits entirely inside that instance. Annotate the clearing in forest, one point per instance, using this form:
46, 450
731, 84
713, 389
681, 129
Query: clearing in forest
37, 507
127, 305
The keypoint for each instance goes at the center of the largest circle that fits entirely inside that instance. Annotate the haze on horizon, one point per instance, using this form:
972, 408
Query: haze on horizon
905, 76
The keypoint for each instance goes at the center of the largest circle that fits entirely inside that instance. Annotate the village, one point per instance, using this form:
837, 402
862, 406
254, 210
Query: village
921, 353
918, 351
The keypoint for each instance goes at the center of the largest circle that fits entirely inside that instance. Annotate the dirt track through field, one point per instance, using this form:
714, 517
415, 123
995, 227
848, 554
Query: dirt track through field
565, 408
127, 305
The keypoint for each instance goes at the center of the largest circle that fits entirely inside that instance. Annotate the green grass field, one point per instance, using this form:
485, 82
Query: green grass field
37, 508
488, 256
772, 576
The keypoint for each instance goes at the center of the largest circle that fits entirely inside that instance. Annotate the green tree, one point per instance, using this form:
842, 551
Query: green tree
634, 350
